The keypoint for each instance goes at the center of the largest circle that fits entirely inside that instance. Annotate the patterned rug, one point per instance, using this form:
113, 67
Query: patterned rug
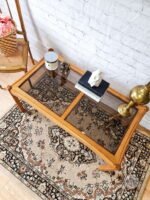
90, 118
56, 166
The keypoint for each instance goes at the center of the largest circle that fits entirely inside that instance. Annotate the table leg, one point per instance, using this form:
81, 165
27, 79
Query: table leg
30, 83
115, 116
63, 81
108, 167
19, 104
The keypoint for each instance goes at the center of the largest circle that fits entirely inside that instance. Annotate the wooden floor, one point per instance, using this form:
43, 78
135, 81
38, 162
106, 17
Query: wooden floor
10, 187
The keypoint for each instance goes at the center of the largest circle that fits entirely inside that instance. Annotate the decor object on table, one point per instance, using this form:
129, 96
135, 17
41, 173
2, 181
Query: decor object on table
139, 95
95, 78
51, 60
8, 41
64, 68
96, 91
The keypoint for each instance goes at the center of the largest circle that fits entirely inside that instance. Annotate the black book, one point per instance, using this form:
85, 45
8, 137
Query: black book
100, 90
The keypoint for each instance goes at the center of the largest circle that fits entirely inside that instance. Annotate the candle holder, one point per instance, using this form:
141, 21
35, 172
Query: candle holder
51, 60
139, 95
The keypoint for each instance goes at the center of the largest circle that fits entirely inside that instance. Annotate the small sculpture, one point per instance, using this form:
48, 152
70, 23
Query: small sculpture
64, 68
140, 95
95, 78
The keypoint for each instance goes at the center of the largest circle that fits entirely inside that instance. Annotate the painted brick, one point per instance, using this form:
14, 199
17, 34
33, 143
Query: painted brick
111, 35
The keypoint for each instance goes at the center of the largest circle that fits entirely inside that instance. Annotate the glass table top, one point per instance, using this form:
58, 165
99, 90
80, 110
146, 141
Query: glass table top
99, 121
54, 90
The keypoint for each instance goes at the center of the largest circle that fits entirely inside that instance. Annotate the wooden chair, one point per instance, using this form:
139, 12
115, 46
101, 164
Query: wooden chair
19, 61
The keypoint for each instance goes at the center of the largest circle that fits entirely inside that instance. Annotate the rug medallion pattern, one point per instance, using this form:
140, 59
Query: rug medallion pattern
56, 166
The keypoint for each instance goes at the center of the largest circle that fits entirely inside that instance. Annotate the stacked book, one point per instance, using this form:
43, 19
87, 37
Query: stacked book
94, 92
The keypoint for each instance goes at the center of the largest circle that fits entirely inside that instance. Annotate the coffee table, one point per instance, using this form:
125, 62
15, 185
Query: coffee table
96, 125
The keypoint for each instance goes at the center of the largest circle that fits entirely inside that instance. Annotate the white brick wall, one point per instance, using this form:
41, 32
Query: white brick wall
113, 35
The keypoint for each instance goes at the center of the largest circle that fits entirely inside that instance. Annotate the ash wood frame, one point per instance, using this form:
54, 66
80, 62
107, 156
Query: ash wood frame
113, 161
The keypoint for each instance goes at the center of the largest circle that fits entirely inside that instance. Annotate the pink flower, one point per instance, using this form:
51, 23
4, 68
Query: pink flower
6, 26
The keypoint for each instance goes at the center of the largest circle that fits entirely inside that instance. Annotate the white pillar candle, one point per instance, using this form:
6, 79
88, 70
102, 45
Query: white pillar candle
51, 60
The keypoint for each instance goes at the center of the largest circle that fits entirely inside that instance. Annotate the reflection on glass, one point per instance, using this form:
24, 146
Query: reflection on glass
53, 89
97, 121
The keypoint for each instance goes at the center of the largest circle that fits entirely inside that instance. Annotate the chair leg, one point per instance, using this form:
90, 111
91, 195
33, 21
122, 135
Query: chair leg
31, 56
30, 53
3, 88
29, 81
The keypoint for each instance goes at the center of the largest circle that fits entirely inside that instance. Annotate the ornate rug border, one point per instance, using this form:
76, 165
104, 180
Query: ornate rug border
144, 184
27, 184
22, 180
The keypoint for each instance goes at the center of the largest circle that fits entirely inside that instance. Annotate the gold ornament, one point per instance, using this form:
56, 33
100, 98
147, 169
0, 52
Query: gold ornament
140, 95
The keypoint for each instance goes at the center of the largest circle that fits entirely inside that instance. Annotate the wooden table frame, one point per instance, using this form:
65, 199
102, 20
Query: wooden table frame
113, 161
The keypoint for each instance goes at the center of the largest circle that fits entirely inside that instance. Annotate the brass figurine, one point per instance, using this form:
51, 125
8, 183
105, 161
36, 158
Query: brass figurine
140, 95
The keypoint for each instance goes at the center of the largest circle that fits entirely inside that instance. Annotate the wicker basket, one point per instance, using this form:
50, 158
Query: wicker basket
8, 43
